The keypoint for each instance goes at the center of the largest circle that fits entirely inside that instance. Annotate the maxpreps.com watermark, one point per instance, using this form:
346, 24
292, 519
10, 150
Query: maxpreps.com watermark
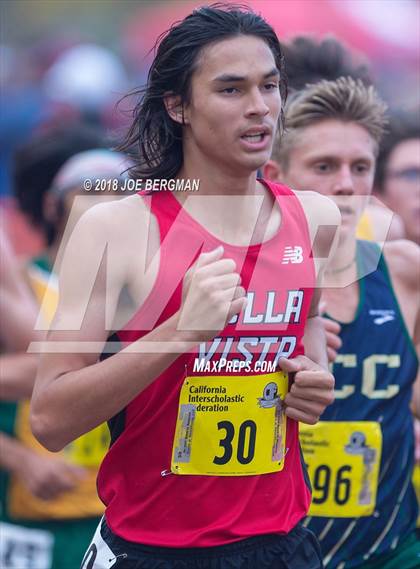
235, 366
137, 185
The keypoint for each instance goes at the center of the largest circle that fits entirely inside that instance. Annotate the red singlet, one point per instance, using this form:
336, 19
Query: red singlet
201, 510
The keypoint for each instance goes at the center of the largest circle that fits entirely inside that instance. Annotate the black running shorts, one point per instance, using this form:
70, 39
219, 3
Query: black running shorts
297, 550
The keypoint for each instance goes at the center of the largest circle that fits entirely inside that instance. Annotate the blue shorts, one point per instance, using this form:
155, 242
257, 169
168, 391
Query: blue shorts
298, 549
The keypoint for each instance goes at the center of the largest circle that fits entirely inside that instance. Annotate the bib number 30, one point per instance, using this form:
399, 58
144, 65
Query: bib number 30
230, 425
246, 442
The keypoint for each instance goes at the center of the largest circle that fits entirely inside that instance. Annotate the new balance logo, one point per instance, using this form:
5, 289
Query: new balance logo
382, 316
292, 255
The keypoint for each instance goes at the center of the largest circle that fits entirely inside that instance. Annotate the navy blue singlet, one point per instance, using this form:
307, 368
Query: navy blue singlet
377, 358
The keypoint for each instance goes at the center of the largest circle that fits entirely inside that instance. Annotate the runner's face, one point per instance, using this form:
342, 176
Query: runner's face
235, 105
336, 159
402, 185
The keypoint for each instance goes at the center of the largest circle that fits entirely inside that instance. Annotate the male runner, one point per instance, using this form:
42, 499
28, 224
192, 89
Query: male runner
309, 60
397, 183
397, 178
360, 456
48, 502
204, 467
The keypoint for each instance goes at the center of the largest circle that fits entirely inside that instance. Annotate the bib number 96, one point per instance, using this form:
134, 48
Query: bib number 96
327, 482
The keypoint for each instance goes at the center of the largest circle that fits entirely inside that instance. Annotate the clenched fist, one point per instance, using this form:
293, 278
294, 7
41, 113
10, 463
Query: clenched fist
211, 295
311, 392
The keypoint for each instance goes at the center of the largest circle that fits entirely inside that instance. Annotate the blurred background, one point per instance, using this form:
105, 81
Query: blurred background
64, 65
66, 61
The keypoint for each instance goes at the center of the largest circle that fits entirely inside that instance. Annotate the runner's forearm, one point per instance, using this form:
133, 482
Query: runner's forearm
17, 376
12, 453
78, 401
315, 342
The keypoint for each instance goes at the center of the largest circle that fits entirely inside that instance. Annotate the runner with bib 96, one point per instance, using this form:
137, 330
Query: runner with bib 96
361, 455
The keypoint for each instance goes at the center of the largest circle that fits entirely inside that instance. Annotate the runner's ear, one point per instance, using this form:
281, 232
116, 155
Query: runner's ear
272, 171
175, 108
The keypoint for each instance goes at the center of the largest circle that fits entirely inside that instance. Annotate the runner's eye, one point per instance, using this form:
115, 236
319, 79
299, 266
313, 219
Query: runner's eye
322, 167
230, 90
271, 86
361, 168
408, 174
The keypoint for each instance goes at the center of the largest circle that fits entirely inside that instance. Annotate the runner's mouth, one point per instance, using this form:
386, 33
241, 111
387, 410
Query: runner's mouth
254, 137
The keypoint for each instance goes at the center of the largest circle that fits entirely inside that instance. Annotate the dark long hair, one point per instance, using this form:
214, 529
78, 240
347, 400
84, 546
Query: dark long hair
154, 140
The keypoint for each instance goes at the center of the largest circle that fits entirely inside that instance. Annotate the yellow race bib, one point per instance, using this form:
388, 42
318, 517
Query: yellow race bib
343, 461
230, 425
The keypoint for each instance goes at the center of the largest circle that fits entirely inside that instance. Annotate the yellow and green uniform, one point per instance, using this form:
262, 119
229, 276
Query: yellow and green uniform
49, 534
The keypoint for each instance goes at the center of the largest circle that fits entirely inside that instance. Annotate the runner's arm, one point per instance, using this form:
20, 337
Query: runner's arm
44, 476
314, 338
403, 261
73, 391
18, 310
17, 376
18, 313
415, 402
12, 453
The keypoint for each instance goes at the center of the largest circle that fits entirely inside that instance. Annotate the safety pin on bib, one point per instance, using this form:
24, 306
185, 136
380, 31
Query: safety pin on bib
166, 472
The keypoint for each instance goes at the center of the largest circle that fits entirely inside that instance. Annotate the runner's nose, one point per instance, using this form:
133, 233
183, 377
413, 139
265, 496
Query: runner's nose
257, 104
343, 183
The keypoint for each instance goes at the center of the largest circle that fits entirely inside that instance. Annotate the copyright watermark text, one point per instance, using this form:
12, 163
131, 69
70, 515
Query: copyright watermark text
131, 185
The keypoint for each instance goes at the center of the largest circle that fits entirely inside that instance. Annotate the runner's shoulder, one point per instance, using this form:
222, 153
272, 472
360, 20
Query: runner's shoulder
403, 259
119, 228
116, 220
319, 209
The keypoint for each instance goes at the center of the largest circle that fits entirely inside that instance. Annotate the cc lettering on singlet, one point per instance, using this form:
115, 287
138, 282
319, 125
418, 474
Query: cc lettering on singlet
369, 375
347, 361
230, 425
